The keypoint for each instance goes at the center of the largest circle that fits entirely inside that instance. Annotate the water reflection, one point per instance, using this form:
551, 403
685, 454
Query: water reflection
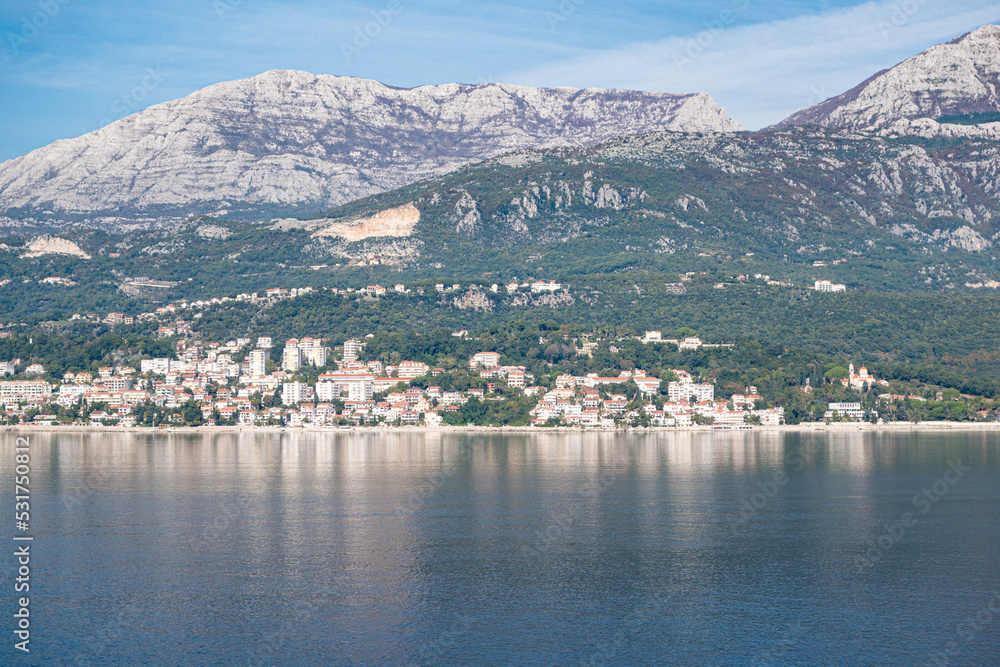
368, 548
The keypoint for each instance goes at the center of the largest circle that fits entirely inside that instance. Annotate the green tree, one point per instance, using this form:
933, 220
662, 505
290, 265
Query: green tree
836, 374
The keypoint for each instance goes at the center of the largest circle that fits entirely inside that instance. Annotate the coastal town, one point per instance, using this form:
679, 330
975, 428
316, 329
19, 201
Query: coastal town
306, 382
322, 382
237, 382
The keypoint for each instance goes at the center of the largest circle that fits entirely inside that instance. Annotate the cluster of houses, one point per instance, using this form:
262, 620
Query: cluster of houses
688, 343
56, 280
172, 309
577, 400
237, 382
277, 293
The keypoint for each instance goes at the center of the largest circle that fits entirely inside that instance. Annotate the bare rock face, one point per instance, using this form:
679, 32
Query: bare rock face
474, 299
53, 245
957, 78
285, 138
398, 222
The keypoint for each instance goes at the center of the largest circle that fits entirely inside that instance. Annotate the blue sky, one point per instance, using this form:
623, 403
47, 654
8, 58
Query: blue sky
70, 66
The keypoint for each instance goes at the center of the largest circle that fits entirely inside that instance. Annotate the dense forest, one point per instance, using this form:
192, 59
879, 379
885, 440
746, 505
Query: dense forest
951, 330
255, 258
954, 330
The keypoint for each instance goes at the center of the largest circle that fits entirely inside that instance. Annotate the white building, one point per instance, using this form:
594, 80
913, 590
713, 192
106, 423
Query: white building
316, 356
515, 379
690, 391
291, 357
770, 416
352, 386
485, 359
827, 286
327, 391
861, 380
730, 417
647, 385
413, 369
71, 393
156, 366
542, 286
690, 343
257, 361
849, 410
351, 349
293, 392
13, 392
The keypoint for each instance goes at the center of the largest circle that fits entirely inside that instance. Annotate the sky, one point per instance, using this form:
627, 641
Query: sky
68, 67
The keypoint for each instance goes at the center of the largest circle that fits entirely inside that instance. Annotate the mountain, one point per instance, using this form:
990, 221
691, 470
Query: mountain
289, 138
637, 201
948, 90
879, 214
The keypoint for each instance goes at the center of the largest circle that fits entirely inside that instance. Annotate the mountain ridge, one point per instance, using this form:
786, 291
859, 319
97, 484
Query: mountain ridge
807, 191
287, 137
961, 76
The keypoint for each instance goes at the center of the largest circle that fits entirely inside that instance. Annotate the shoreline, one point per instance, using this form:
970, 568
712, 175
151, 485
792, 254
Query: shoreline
811, 427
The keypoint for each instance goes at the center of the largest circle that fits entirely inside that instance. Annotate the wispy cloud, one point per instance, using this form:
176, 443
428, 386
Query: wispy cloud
763, 72
91, 61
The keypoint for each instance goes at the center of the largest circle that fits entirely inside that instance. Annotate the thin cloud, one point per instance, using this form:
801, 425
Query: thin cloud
761, 73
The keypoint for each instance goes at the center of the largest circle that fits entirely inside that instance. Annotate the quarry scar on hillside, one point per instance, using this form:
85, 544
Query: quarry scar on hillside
398, 222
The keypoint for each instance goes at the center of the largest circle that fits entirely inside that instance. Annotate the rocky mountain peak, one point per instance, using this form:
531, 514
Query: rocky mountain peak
958, 78
287, 138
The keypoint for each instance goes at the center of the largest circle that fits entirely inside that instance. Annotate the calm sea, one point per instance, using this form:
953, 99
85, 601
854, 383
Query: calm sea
469, 549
